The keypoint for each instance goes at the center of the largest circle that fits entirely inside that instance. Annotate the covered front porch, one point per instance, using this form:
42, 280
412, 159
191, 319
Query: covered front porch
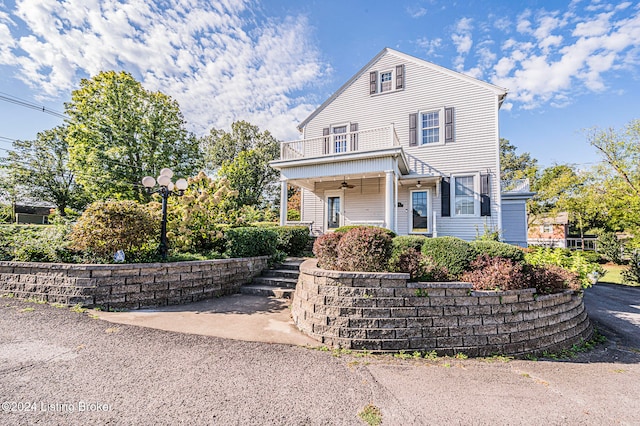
366, 181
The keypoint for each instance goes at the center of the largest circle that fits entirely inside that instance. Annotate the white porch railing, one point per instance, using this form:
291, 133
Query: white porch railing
340, 143
515, 185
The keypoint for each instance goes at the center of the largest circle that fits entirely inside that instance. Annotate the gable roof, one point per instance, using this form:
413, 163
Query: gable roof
499, 91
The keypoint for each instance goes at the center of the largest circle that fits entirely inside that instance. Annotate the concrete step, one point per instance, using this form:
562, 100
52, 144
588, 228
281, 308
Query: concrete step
291, 263
283, 273
266, 290
276, 281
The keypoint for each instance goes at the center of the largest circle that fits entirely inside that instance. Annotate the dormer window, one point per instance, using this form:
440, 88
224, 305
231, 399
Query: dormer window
387, 80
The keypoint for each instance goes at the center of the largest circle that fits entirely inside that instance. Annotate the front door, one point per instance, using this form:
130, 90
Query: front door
333, 209
420, 212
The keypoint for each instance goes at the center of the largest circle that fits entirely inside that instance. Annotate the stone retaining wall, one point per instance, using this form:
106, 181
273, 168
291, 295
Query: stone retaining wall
119, 286
383, 312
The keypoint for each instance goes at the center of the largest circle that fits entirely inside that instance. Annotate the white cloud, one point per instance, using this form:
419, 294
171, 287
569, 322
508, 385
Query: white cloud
416, 12
222, 61
561, 54
430, 46
462, 40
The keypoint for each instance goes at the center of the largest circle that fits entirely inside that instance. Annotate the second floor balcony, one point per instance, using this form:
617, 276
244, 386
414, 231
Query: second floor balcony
341, 142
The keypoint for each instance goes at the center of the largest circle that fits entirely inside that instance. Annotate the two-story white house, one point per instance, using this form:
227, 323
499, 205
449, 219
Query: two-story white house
404, 144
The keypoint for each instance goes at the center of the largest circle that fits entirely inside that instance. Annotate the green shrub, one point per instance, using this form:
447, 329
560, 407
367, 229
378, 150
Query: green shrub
292, 240
406, 260
610, 247
548, 279
631, 275
347, 228
108, 226
431, 271
364, 249
497, 249
407, 241
574, 261
35, 243
249, 242
452, 253
495, 273
326, 250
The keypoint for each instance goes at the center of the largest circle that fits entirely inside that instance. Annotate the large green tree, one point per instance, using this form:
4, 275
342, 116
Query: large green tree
242, 156
516, 166
41, 168
120, 132
618, 176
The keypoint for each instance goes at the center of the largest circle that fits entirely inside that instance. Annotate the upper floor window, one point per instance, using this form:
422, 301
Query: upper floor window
547, 229
430, 127
387, 80
339, 139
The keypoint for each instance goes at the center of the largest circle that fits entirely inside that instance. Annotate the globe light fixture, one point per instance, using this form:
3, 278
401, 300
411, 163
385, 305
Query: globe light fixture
165, 189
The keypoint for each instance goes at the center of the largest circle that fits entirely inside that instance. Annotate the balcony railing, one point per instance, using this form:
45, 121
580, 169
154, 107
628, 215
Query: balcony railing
515, 186
340, 143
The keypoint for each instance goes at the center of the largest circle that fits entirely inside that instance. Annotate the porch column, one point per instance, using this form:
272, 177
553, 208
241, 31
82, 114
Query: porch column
389, 208
283, 202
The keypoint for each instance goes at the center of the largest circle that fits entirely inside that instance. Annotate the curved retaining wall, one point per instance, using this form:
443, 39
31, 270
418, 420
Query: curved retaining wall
383, 312
136, 285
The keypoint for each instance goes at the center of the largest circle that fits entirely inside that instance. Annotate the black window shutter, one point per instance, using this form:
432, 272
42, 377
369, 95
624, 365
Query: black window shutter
448, 124
413, 129
445, 197
373, 82
485, 196
399, 77
325, 147
353, 128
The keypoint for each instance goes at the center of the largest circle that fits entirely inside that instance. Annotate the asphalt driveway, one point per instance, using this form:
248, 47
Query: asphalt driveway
63, 367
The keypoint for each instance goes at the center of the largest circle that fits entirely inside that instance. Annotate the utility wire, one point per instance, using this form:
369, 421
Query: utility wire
22, 102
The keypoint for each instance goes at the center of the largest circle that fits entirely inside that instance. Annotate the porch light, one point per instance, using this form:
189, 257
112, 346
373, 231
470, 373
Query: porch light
418, 185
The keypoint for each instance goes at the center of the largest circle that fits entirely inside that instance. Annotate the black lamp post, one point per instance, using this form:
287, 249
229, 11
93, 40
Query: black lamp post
166, 188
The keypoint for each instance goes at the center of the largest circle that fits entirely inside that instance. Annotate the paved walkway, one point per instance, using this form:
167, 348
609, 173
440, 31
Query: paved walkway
240, 317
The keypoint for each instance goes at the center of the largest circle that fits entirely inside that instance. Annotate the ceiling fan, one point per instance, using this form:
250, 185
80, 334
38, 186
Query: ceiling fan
345, 185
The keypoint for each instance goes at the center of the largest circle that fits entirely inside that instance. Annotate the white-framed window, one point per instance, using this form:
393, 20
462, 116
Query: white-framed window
339, 138
386, 81
420, 211
431, 127
465, 200
547, 228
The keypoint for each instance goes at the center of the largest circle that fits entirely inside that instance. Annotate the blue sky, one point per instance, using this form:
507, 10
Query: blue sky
568, 65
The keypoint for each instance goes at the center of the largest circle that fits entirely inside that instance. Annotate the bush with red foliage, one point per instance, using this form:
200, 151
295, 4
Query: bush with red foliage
326, 250
548, 279
495, 273
364, 249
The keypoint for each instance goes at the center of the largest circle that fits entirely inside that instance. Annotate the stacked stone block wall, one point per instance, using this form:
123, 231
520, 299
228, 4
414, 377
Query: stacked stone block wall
120, 286
383, 312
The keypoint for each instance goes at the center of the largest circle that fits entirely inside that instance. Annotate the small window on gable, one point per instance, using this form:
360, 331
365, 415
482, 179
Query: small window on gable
386, 81
547, 229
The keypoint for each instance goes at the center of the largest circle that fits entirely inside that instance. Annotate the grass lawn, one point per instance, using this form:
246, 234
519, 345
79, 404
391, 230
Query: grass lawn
614, 274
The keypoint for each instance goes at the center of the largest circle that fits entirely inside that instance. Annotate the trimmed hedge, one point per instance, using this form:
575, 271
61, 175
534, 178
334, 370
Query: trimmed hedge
497, 249
249, 242
326, 250
452, 253
407, 241
292, 240
347, 228
364, 249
